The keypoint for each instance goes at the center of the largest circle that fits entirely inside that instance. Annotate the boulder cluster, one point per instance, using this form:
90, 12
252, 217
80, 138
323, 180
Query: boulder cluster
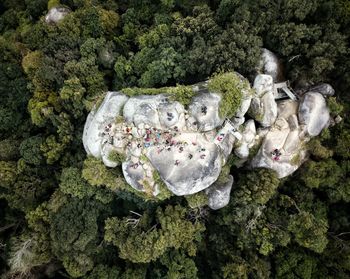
153, 136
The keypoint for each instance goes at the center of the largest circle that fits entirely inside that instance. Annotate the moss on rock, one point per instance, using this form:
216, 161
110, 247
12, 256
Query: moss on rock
230, 86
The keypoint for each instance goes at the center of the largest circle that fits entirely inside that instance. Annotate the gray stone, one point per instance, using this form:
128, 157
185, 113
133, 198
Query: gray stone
219, 193
247, 141
263, 84
286, 108
144, 109
98, 118
313, 113
227, 146
106, 150
204, 108
133, 176
189, 176
171, 115
324, 88
263, 107
56, 14
269, 64
284, 136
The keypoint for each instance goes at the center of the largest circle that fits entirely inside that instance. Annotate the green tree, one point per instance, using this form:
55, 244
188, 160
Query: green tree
142, 240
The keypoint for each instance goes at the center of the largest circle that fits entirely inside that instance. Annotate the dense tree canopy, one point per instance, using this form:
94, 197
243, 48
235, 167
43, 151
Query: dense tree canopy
66, 215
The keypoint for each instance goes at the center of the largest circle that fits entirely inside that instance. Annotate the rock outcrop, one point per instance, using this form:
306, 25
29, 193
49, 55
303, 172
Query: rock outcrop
56, 14
158, 141
270, 65
95, 130
219, 193
313, 113
150, 134
263, 106
204, 109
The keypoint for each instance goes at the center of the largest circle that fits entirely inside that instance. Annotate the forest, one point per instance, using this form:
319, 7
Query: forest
64, 214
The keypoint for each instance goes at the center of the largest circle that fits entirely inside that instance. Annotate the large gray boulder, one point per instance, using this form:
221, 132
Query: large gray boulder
269, 64
98, 118
56, 14
144, 109
219, 193
171, 115
190, 169
292, 155
313, 113
204, 108
263, 107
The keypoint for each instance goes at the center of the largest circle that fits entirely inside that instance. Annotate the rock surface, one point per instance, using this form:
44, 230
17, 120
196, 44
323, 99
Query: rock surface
182, 175
270, 65
204, 108
143, 110
263, 105
219, 194
286, 136
97, 120
247, 141
56, 14
313, 113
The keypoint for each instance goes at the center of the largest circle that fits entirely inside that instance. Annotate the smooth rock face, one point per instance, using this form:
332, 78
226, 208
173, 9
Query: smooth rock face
143, 109
219, 194
313, 113
324, 88
247, 141
133, 176
204, 108
286, 136
280, 139
270, 65
95, 124
172, 115
56, 14
184, 176
286, 108
263, 106
246, 100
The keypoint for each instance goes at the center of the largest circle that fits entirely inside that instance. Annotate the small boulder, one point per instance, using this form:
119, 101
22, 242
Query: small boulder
286, 108
269, 64
247, 141
219, 193
324, 88
56, 14
313, 113
134, 175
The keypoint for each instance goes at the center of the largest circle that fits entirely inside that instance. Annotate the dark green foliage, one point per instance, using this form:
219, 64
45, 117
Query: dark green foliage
64, 214
73, 184
147, 237
30, 150
75, 234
